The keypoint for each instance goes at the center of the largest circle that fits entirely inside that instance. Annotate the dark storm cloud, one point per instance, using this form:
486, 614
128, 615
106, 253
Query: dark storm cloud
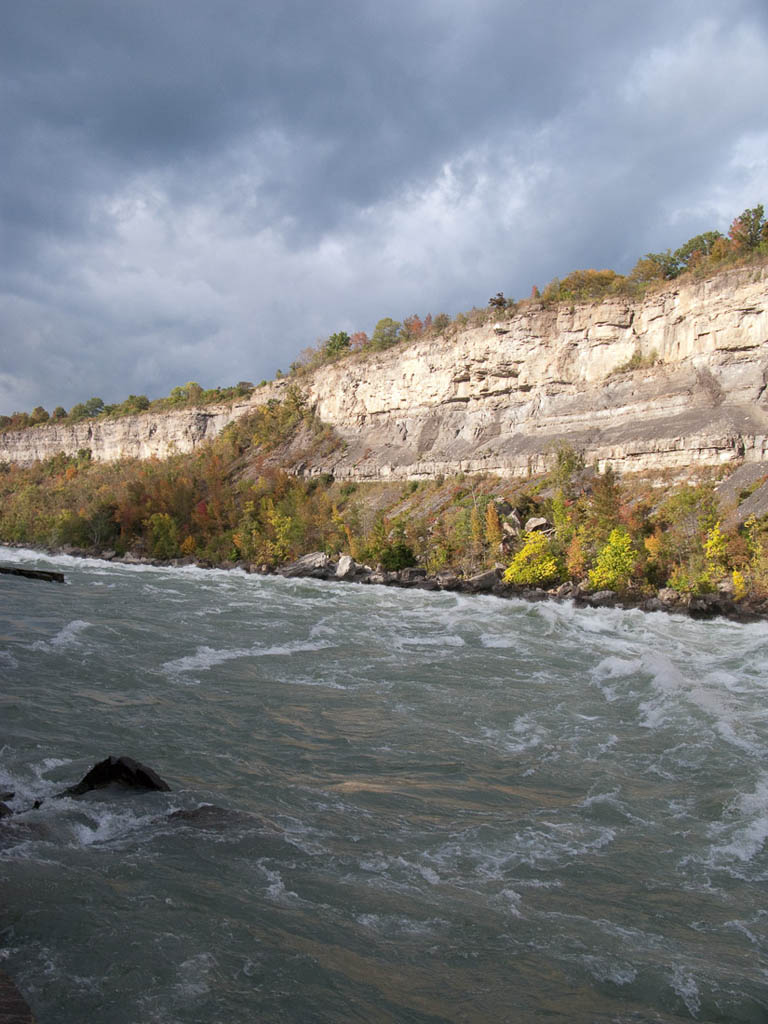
194, 190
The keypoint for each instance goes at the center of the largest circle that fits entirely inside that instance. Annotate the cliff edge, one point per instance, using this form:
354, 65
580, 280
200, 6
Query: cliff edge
674, 381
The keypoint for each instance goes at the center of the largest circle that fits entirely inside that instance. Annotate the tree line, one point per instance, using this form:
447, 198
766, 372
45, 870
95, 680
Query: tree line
230, 502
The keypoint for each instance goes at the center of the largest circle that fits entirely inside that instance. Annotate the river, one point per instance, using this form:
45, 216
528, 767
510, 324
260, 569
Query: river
386, 805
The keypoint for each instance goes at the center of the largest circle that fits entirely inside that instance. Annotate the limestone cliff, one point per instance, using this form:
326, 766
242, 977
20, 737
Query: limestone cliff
498, 398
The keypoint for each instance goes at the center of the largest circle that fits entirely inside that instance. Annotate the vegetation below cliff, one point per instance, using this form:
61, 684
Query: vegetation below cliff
230, 502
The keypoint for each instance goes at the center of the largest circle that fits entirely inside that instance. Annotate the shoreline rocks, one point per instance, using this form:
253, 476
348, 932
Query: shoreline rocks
319, 566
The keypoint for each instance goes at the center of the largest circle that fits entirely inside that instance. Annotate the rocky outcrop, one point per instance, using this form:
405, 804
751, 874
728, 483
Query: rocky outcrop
497, 398
139, 436
118, 771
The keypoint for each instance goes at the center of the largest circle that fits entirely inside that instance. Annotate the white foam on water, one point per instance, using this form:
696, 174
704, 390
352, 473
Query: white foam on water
276, 889
512, 901
609, 744
205, 658
526, 734
604, 969
106, 824
544, 844
500, 641
745, 834
22, 556
303, 680
680, 698
8, 660
396, 926
685, 986
446, 640
615, 667
31, 784
740, 927
68, 636
612, 799
193, 974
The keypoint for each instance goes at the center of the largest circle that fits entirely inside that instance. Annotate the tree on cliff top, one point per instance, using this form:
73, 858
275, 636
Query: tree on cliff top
386, 333
337, 345
749, 229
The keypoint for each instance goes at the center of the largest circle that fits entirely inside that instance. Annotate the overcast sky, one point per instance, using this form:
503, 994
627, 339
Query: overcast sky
196, 190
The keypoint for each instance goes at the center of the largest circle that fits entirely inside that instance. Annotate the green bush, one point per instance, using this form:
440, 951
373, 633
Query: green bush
615, 562
536, 564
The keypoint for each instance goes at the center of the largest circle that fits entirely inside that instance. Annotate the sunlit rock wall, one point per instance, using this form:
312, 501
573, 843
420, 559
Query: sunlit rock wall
498, 398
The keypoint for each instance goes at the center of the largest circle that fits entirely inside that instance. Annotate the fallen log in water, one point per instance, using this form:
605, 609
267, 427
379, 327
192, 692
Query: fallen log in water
33, 574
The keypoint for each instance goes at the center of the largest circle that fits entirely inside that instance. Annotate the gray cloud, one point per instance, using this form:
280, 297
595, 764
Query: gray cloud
198, 192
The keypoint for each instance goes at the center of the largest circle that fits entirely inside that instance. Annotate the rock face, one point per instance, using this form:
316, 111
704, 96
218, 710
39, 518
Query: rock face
497, 398
139, 436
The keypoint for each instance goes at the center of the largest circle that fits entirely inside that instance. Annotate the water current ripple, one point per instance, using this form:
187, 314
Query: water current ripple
386, 805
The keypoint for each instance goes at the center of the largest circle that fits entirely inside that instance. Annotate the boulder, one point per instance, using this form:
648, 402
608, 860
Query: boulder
5, 810
706, 606
316, 565
536, 523
14, 1008
411, 575
447, 580
427, 583
347, 568
601, 599
482, 582
120, 771
568, 589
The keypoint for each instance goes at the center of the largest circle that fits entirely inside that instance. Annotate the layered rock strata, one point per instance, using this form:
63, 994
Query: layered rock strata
500, 397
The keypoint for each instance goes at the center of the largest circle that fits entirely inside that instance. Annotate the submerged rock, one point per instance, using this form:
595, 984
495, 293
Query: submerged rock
13, 1006
120, 771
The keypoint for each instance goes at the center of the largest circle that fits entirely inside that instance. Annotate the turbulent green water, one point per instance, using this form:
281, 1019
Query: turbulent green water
396, 806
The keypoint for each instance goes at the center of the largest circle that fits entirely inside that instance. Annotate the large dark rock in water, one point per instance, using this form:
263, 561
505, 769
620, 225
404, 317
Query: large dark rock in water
13, 1006
120, 771
33, 574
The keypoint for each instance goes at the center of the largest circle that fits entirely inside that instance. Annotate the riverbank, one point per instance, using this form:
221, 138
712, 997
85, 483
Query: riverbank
320, 566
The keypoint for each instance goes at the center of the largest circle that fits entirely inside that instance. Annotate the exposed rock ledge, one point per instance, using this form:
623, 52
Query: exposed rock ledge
496, 398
